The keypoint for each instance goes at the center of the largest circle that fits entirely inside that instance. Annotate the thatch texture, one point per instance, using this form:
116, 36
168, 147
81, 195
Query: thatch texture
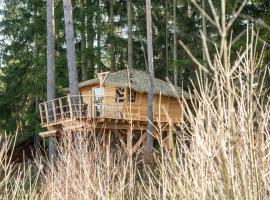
137, 80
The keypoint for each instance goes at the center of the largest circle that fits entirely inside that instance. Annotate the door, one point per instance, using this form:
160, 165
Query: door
98, 102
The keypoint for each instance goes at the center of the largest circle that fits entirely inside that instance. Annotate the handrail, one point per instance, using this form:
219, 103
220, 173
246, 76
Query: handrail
80, 107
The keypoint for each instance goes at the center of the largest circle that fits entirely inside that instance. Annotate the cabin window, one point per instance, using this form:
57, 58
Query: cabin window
120, 95
98, 95
131, 95
98, 102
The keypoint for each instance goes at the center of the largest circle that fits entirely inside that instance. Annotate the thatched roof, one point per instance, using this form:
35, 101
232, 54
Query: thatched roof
137, 80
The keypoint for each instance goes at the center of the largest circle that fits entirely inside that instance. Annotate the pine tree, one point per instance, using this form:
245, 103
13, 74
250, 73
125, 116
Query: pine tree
149, 141
71, 58
50, 64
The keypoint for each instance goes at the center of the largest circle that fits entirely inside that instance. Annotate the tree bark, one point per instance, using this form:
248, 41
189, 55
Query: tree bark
71, 58
50, 64
130, 49
36, 65
90, 41
166, 39
83, 41
113, 67
149, 140
98, 37
175, 71
204, 30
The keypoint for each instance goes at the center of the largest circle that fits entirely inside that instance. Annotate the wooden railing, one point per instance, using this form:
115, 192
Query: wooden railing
80, 107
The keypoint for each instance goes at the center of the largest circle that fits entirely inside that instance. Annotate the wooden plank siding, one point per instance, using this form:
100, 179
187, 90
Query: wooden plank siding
164, 107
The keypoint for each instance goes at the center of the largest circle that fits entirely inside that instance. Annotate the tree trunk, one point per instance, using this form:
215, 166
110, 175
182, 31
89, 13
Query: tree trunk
98, 37
113, 67
166, 39
175, 73
36, 64
90, 41
130, 49
204, 29
36, 67
50, 64
71, 58
83, 41
149, 140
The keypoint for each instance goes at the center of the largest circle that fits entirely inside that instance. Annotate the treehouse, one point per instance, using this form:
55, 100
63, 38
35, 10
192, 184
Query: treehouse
114, 103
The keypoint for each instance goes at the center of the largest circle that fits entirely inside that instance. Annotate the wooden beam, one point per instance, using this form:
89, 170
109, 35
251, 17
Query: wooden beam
61, 108
70, 106
46, 112
74, 127
129, 142
41, 113
102, 77
46, 134
140, 126
54, 110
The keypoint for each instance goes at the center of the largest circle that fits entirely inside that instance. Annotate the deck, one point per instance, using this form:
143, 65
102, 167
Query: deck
105, 115
80, 107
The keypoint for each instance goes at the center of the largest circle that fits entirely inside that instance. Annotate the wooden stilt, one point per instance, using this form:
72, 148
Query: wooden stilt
170, 143
129, 142
108, 140
170, 138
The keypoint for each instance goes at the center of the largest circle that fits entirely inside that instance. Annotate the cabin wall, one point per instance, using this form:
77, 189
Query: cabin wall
111, 108
165, 108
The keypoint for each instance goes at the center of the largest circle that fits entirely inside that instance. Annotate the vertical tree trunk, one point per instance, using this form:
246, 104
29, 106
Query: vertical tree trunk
204, 29
50, 64
130, 49
166, 39
149, 140
175, 73
98, 37
37, 137
113, 67
36, 66
90, 41
71, 58
83, 41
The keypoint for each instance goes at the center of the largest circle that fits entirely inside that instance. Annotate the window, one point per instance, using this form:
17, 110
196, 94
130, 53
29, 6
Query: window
120, 95
131, 95
98, 101
98, 95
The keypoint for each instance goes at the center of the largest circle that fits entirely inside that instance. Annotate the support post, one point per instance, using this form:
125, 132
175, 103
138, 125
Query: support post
170, 144
70, 106
54, 110
41, 114
129, 142
46, 112
61, 108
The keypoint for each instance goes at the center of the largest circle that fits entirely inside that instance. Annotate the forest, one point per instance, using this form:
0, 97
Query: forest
218, 51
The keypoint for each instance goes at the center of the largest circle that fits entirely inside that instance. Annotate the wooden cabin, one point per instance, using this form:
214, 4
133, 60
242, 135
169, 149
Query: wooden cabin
114, 103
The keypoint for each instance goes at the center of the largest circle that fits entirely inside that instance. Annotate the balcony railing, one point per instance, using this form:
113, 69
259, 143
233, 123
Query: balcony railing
80, 107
